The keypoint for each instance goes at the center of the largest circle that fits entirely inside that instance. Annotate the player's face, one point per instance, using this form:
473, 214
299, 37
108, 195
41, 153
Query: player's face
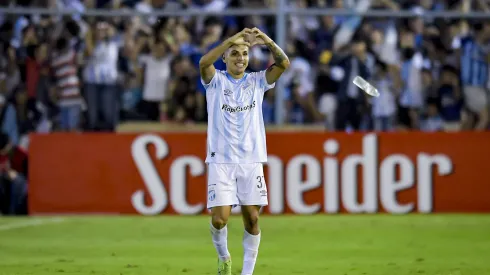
236, 59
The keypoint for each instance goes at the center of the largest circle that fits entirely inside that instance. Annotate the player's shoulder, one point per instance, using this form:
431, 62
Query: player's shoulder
219, 77
256, 75
221, 73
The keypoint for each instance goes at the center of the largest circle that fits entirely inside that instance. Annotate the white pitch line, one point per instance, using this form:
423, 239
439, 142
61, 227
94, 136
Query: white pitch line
30, 223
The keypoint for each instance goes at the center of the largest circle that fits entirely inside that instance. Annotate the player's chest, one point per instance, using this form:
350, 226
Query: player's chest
242, 93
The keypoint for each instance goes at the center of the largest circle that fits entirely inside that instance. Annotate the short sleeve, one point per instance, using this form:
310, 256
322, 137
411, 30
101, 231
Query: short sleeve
211, 83
263, 81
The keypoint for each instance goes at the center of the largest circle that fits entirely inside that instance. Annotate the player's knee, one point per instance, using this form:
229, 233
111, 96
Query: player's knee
251, 223
219, 221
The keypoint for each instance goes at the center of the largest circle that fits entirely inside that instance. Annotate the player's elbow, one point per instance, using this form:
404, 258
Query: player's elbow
285, 64
204, 63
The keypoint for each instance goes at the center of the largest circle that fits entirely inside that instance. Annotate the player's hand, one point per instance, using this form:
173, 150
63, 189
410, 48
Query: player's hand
242, 38
260, 37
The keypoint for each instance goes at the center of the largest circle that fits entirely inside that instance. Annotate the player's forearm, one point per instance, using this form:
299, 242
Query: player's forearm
280, 58
214, 54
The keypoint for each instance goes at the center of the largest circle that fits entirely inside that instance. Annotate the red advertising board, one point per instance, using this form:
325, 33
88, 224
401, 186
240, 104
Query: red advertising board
153, 174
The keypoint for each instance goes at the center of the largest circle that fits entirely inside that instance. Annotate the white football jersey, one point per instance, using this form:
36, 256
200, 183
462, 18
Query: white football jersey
236, 132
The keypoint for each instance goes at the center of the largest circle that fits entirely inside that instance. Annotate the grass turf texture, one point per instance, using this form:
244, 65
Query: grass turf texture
313, 245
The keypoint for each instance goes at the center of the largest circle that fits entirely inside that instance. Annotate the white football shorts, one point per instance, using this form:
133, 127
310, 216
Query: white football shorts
236, 184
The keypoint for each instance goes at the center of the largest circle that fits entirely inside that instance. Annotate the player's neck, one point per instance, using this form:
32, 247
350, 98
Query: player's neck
235, 76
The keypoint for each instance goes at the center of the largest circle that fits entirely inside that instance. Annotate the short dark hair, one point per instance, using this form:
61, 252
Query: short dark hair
61, 43
212, 21
72, 27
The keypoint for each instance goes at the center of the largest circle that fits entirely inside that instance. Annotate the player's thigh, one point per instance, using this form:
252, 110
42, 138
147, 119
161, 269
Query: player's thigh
251, 186
222, 189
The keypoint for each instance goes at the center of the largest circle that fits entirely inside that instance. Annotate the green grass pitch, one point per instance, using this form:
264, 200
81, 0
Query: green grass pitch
312, 245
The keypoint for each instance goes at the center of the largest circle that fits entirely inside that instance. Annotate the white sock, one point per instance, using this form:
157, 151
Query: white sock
220, 241
250, 250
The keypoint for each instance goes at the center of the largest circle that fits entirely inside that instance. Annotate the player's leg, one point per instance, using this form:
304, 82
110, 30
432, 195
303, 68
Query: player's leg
251, 237
219, 230
252, 195
219, 233
221, 197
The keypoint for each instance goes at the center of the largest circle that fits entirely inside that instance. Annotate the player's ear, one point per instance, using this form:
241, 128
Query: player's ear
223, 57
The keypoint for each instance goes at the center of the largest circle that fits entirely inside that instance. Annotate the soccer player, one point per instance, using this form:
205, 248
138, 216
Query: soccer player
236, 146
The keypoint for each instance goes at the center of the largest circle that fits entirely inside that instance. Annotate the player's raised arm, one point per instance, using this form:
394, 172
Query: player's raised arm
206, 67
281, 60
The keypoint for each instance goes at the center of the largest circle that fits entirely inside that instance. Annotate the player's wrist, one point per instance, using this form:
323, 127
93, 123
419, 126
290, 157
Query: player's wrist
270, 43
228, 42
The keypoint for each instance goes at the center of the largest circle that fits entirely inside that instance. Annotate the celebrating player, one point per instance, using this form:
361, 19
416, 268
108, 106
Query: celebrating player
236, 146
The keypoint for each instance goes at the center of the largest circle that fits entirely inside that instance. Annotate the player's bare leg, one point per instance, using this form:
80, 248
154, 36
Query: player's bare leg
251, 237
219, 233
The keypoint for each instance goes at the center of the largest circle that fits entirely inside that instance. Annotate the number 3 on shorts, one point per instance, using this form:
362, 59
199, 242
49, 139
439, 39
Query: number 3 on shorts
261, 180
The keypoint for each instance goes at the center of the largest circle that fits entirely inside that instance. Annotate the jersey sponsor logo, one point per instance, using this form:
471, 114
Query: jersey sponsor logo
236, 109
228, 92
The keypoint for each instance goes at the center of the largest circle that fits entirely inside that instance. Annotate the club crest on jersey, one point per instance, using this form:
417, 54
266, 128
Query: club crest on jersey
228, 92
246, 87
247, 92
211, 195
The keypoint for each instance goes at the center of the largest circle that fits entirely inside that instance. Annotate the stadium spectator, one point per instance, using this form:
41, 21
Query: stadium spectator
299, 81
156, 70
474, 73
411, 100
351, 101
65, 71
186, 104
183, 106
101, 77
295, 103
8, 120
10, 76
13, 177
450, 101
36, 73
383, 108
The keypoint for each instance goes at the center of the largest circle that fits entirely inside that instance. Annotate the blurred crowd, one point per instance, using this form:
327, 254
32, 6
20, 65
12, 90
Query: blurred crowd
79, 73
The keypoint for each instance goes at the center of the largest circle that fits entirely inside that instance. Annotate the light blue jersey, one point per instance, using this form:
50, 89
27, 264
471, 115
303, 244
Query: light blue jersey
236, 132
